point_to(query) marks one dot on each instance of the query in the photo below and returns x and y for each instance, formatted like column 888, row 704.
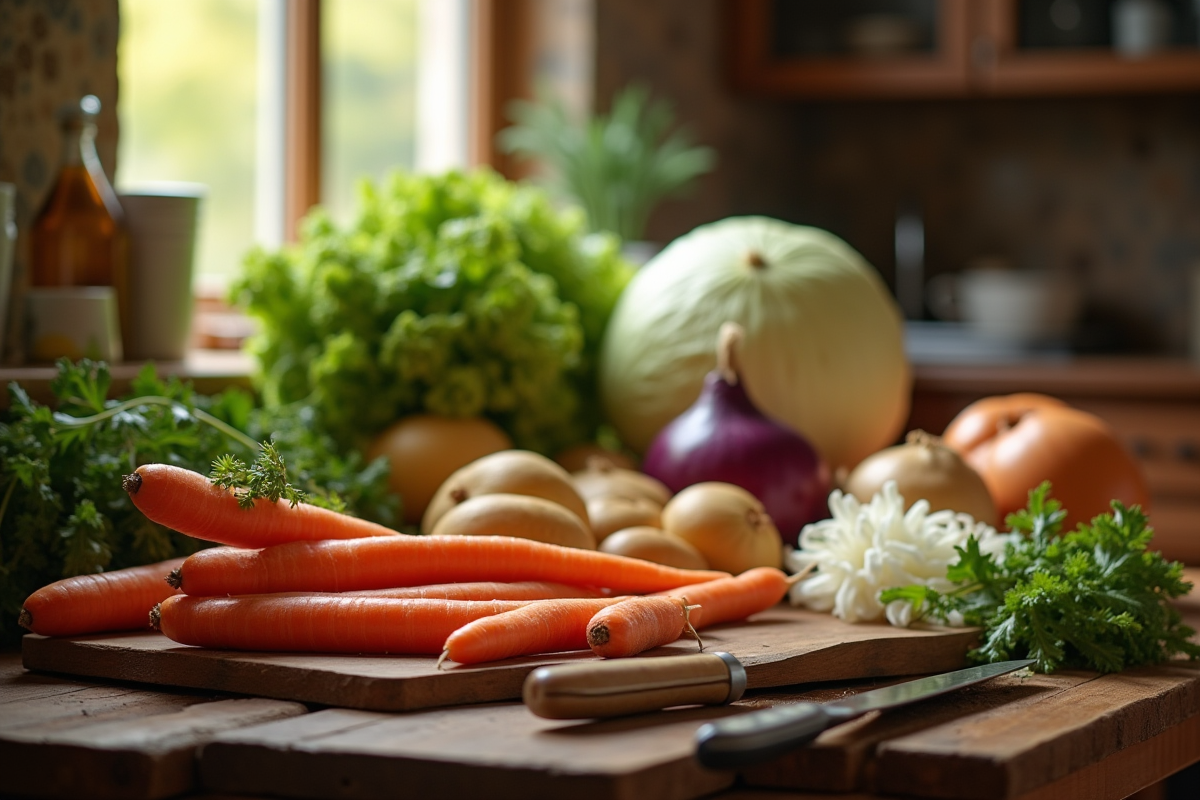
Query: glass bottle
column 79, row 237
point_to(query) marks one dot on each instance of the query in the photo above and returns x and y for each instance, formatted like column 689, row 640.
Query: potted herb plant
column 616, row 166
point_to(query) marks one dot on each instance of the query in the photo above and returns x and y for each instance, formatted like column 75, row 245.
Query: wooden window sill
column 210, row 371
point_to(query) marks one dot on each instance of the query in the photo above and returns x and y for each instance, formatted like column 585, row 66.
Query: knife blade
column 762, row 735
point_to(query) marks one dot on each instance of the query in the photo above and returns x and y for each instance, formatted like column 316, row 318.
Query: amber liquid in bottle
column 79, row 238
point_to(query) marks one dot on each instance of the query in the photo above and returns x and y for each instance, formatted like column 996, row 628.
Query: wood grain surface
column 1008, row 738
column 1018, row 736
column 1067, row 736
column 780, row 647
column 494, row 751
column 66, row 739
column 1072, row 735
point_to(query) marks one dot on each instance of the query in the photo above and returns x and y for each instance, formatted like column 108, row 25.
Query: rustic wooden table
column 1064, row 736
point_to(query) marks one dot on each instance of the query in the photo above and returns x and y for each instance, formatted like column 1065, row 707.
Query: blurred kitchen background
column 1050, row 136
column 1050, row 150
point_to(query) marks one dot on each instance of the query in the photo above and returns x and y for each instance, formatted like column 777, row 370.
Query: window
column 188, row 100
column 210, row 89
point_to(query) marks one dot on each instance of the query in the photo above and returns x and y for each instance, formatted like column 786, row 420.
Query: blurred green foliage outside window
column 369, row 50
column 189, row 95
column 187, row 103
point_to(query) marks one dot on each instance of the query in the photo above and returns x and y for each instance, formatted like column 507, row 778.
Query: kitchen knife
column 762, row 735
column 633, row 685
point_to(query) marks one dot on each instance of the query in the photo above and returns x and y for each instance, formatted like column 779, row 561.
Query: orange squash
column 1017, row 441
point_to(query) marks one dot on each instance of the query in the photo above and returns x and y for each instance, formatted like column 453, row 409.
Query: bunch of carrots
column 297, row 577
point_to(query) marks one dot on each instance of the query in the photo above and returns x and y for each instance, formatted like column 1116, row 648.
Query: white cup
column 161, row 219
column 8, row 237
column 1013, row 306
column 1140, row 27
column 72, row 322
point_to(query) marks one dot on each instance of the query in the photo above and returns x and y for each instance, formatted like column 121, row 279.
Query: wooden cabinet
column 946, row 48
column 1154, row 406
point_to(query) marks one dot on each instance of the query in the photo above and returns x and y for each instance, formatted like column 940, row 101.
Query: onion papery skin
column 823, row 351
column 724, row 438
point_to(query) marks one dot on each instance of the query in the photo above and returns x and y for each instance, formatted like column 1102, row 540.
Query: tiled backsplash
column 52, row 52
column 1105, row 188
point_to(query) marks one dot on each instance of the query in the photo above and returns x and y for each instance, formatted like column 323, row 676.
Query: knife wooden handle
column 633, row 685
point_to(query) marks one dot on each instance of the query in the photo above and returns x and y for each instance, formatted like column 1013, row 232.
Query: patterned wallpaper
column 52, row 52
column 1105, row 189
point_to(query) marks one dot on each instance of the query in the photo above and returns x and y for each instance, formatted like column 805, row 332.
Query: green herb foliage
column 617, row 166
column 459, row 295
column 62, row 509
column 265, row 479
column 1091, row 599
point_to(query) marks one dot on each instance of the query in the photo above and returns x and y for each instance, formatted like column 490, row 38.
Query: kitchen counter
column 1068, row 736
column 1084, row 376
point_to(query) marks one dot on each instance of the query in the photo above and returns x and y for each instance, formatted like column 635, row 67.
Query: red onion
column 723, row 437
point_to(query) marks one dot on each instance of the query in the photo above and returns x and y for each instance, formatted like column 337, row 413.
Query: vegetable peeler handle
column 633, row 685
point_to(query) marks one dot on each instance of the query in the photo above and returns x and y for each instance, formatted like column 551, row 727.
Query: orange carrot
column 734, row 598
column 319, row 624
column 389, row 561
column 638, row 624
column 543, row 626
column 108, row 601
column 527, row 590
column 188, row 502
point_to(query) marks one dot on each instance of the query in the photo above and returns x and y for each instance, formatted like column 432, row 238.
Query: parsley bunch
column 63, row 511
column 1091, row 599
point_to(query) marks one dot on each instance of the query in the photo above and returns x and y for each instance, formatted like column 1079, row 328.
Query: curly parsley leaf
column 1093, row 598
column 265, row 479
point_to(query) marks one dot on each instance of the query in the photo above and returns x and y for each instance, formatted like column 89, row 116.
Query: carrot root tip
column 792, row 580
column 156, row 617
column 25, row 619
column 442, row 658
column 175, row 578
column 687, row 620
column 131, row 483
column 598, row 635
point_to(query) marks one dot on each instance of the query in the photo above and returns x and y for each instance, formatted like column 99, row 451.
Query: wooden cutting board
column 780, row 647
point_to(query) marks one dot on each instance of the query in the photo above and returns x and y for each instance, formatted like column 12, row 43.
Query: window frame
column 502, row 52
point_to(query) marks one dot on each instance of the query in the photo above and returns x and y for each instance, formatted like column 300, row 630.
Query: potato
column 604, row 479
column 651, row 544
column 577, row 458
column 507, row 472
column 611, row 514
column 516, row 515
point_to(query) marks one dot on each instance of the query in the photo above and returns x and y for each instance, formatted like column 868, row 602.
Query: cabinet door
column 1070, row 47
column 849, row 48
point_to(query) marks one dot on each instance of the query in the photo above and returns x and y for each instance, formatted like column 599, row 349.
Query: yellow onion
column 727, row 524
column 924, row 469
